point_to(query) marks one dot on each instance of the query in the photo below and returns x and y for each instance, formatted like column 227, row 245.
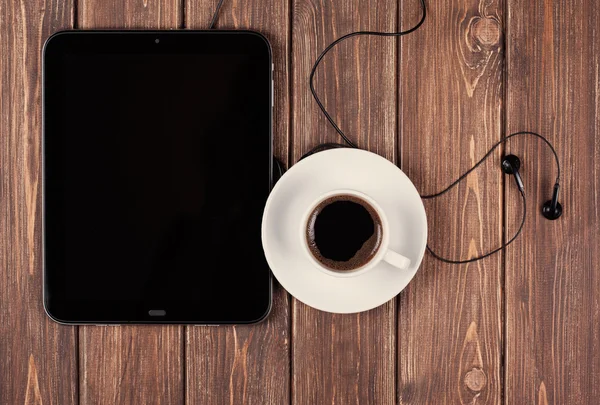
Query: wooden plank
column 246, row 364
column 129, row 14
column 131, row 364
column 449, row 317
column 344, row 359
column 33, row 348
column 243, row 364
column 552, row 278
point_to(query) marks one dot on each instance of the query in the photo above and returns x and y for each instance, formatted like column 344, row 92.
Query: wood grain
column 434, row 101
column 129, row 14
column 131, row 364
column 344, row 359
column 247, row 364
column 243, row 364
column 33, row 349
column 552, row 277
column 449, row 317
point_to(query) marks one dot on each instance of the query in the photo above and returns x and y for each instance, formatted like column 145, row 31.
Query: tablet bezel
column 145, row 42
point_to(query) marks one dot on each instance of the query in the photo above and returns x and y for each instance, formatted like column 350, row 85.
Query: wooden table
column 521, row 327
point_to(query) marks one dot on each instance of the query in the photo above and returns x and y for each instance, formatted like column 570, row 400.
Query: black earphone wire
column 215, row 15
column 475, row 166
column 331, row 46
column 491, row 252
column 488, row 154
column 349, row 143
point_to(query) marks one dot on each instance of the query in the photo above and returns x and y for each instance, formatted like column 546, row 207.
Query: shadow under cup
column 344, row 232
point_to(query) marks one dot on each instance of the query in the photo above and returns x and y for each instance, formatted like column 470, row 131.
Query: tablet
column 157, row 164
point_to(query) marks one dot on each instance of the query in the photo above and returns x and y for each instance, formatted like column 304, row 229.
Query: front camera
column 156, row 41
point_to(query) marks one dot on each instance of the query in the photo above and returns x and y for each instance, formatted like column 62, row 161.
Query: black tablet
column 157, row 165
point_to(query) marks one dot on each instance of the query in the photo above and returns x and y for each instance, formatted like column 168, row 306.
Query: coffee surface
column 344, row 232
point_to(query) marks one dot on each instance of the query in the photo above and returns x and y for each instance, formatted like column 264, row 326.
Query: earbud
column 511, row 165
column 552, row 209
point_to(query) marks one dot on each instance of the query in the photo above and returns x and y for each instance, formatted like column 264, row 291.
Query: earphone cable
column 349, row 143
column 215, row 15
column 337, row 41
column 462, row 177
column 489, row 153
column 501, row 247
column 465, row 174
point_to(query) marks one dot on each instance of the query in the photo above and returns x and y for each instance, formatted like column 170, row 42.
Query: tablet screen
column 157, row 168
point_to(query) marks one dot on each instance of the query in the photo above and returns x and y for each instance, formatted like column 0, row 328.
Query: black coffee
column 344, row 232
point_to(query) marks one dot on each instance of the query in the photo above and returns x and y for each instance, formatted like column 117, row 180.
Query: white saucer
column 330, row 170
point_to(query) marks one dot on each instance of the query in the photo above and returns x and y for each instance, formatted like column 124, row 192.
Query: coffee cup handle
column 396, row 260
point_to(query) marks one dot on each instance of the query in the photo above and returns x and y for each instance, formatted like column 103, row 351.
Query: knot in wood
column 475, row 380
column 486, row 31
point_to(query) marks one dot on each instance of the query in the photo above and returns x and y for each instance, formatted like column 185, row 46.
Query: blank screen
column 157, row 171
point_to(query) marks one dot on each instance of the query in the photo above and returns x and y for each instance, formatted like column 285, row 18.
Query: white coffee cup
column 384, row 253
